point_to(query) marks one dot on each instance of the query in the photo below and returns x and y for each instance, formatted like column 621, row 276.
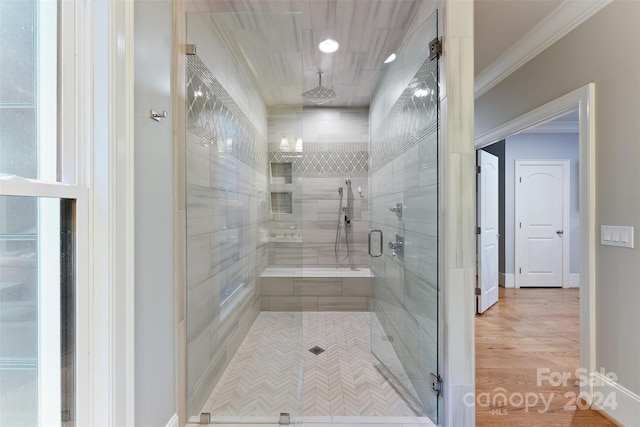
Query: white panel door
column 489, row 232
column 542, row 209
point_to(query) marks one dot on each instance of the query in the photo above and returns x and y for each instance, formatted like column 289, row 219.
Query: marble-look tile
column 245, row 179
column 421, row 256
column 198, row 160
column 395, row 277
column 275, row 347
column 317, row 286
column 406, row 171
column 218, row 167
column 420, row 210
column 342, row 303
column 382, row 181
column 356, row 286
column 237, row 209
column 248, row 240
column 225, row 249
column 199, row 259
column 203, row 305
column 198, row 358
column 422, row 303
column 276, row 286
column 285, row 254
column 232, row 176
column 296, row 303
column 428, row 156
column 206, row 210
column 222, row 328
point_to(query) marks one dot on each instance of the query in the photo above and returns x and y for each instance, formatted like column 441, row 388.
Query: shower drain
column 316, row 350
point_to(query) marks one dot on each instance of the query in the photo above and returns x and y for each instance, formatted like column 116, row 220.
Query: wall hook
column 158, row 116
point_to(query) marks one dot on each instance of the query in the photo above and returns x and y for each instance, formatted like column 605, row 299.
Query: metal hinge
column 520, row 270
column 285, row 419
column 478, row 230
column 436, row 383
column 190, row 49
column 478, row 168
column 478, row 292
column 520, row 179
column 435, row 48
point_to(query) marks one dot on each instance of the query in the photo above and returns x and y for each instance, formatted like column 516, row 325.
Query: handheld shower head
column 347, row 181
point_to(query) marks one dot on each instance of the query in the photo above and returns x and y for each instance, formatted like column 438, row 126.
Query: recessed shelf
column 281, row 173
column 281, row 203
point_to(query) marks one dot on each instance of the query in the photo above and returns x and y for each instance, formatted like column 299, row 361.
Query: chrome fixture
column 397, row 209
column 285, row 419
column 158, row 116
column 343, row 223
column 397, row 247
column 205, row 418
column 381, row 239
column 320, row 95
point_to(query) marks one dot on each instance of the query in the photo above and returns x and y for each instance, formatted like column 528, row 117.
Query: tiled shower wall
column 334, row 147
column 226, row 211
column 404, row 170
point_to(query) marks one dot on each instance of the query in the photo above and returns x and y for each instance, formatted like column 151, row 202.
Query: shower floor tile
column 273, row 371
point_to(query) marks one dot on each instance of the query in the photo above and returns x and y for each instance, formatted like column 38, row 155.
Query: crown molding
column 555, row 127
column 564, row 18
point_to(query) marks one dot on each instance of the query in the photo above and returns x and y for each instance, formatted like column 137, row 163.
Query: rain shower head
column 320, row 95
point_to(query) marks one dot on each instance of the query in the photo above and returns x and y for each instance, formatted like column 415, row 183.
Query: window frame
column 95, row 169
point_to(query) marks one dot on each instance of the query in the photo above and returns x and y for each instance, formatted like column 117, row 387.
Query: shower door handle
column 381, row 245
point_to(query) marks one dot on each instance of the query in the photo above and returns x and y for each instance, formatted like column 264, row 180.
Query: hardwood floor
column 528, row 330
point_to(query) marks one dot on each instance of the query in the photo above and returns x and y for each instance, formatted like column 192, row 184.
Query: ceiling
column 281, row 54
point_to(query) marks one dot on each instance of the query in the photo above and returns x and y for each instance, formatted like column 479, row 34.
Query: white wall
column 155, row 388
column 602, row 50
column 532, row 146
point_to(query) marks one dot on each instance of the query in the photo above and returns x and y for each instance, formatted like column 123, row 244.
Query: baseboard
column 507, row 280
column 574, row 281
column 174, row 421
column 623, row 405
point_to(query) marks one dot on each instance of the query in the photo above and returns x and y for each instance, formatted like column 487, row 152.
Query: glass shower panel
column 404, row 205
column 243, row 216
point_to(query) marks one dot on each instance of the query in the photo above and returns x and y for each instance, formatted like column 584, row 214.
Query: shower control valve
column 397, row 247
column 397, row 209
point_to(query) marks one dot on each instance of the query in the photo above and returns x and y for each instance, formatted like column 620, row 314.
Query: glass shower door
column 244, row 359
column 403, row 173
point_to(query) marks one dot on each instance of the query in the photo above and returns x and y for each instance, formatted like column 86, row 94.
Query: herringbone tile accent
column 274, row 372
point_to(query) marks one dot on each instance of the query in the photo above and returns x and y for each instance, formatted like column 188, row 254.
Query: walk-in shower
column 271, row 274
column 341, row 246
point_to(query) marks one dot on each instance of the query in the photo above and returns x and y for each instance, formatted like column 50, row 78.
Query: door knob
column 560, row 232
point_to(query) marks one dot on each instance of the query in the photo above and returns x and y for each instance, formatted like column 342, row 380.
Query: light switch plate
column 612, row 235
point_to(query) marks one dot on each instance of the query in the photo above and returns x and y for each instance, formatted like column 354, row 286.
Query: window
column 38, row 216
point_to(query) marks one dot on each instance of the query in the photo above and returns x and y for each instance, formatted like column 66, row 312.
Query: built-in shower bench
column 316, row 289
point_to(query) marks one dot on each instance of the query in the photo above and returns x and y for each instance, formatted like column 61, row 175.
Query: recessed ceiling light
column 391, row 58
column 328, row 46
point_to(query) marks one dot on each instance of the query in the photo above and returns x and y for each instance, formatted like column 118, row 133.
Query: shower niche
column 280, row 180
column 281, row 173
column 284, row 225
column 281, row 203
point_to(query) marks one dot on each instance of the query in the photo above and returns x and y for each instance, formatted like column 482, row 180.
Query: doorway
column 580, row 101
